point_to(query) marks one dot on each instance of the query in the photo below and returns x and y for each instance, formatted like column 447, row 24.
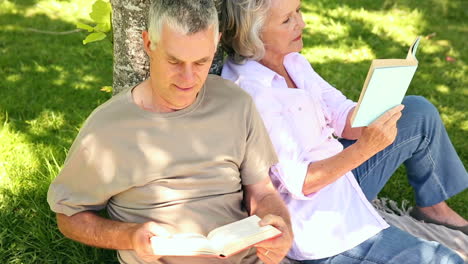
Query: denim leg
column 434, row 169
column 393, row 246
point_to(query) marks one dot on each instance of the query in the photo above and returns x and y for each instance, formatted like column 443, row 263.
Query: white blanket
column 399, row 217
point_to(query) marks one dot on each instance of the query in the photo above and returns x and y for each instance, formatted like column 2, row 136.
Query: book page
column 182, row 245
column 413, row 49
column 241, row 234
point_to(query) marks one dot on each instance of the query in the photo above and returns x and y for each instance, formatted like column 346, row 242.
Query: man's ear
column 219, row 37
column 146, row 42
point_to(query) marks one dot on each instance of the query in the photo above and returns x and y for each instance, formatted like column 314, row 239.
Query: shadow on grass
column 49, row 85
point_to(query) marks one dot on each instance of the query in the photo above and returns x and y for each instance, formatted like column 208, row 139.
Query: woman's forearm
column 373, row 138
column 324, row 172
column 349, row 132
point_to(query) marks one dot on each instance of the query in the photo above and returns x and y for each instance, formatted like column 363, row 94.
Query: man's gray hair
column 241, row 23
column 184, row 16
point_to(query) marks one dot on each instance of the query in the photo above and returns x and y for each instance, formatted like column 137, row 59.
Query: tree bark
column 131, row 64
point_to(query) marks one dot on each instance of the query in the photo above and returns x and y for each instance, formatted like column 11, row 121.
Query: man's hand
column 382, row 132
column 141, row 243
column 272, row 251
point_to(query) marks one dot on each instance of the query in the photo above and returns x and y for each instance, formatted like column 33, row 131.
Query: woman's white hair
column 185, row 16
column 241, row 23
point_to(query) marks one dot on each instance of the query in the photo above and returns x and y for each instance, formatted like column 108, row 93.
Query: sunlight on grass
column 399, row 25
column 453, row 117
column 321, row 54
column 70, row 11
column 443, row 88
column 46, row 121
column 13, row 77
column 40, row 68
column 17, row 158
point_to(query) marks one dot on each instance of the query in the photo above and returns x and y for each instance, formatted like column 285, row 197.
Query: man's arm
column 263, row 200
column 89, row 228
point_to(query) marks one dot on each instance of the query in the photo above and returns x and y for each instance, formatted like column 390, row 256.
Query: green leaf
column 84, row 26
column 102, row 27
column 101, row 12
column 94, row 37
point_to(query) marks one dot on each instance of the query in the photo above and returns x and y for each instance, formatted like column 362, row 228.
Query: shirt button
column 329, row 137
column 300, row 108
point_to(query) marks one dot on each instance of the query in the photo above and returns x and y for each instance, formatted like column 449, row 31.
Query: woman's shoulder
column 299, row 61
column 251, row 76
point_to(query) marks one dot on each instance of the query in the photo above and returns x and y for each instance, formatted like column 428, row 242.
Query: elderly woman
column 328, row 182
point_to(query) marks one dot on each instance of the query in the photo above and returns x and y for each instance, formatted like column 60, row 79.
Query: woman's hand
column 381, row 133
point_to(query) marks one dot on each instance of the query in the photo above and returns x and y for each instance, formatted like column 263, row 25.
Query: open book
column 385, row 86
column 221, row 242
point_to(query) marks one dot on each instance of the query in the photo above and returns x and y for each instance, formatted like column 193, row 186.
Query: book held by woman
column 385, row 86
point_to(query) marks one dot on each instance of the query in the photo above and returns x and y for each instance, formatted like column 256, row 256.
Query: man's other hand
column 141, row 243
column 272, row 251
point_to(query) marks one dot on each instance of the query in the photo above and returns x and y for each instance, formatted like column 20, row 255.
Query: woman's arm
column 351, row 132
column 373, row 139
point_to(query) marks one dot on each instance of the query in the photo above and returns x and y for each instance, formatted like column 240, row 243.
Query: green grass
column 50, row 83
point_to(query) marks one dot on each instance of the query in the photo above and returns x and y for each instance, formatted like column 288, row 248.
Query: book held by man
column 221, row 242
column 386, row 84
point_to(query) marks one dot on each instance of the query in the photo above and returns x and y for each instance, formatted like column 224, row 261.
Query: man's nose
column 188, row 74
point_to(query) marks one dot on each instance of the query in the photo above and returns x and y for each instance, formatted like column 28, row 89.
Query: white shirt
column 301, row 123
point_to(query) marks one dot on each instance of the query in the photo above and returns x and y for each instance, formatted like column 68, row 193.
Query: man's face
column 179, row 66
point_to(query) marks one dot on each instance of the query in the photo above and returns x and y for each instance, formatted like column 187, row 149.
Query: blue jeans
column 433, row 167
column 434, row 170
column 393, row 246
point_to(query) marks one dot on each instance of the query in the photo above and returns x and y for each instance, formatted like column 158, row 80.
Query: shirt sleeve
column 259, row 152
column 337, row 105
column 289, row 173
column 84, row 183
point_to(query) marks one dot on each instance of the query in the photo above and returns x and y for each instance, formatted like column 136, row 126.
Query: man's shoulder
column 114, row 109
column 226, row 88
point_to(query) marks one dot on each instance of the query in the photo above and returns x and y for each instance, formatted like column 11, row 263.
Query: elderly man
column 182, row 152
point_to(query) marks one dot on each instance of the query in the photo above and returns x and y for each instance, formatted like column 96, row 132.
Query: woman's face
column 282, row 32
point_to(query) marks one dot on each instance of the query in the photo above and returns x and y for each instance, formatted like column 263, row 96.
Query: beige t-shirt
column 183, row 170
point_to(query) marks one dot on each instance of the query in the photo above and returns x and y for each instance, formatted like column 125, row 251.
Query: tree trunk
column 131, row 65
